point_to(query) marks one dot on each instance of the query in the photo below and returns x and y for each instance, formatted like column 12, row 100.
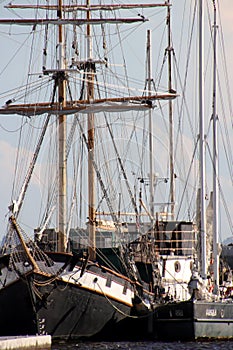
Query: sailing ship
column 46, row 287
column 209, row 312
column 117, row 270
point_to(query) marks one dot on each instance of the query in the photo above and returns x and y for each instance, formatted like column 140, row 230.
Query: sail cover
column 117, row 105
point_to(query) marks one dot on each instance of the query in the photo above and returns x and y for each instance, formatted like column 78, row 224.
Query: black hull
column 75, row 313
column 193, row 320
column 34, row 304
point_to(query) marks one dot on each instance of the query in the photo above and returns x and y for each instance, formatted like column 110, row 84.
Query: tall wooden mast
column 62, row 209
column 151, row 145
column 91, row 135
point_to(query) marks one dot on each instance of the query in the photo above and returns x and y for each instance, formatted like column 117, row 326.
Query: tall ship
column 107, row 236
column 72, row 110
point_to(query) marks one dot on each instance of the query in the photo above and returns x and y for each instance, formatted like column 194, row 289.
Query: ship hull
column 193, row 320
column 77, row 305
column 74, row 311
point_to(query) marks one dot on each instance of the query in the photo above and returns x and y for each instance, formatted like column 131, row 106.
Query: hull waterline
column 193, row 320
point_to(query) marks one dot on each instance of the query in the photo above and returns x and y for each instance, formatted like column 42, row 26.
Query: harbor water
column 204, row 345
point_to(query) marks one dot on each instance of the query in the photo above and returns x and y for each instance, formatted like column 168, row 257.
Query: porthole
column 177, row 266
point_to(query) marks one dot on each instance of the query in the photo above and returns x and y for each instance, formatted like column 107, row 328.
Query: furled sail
column 82, row 106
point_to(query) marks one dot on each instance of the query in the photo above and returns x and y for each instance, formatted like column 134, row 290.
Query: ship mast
column 215, row 162
column 62, row 137
column 151, row 146
column 202, row 146
column 171, row 147
column 91, row 136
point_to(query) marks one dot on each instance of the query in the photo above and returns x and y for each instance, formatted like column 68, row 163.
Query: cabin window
column 177, row 266
column 109, row 281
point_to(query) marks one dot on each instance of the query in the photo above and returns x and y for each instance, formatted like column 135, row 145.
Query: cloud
column 7, row 158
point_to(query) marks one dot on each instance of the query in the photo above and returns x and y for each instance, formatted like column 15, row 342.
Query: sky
column 9, row 125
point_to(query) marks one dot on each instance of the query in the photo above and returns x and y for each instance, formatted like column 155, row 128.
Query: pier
column 26, row 342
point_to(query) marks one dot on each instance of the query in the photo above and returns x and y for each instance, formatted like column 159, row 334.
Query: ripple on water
column 211, row 345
